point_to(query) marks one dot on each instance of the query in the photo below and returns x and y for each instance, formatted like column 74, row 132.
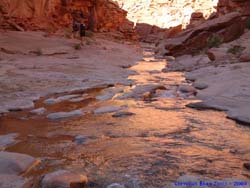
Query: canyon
column 155, row 95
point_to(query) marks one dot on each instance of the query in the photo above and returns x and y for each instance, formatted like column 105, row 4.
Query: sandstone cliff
column 53, row 14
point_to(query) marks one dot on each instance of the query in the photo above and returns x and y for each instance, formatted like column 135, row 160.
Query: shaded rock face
column 226, row 6
column 53, row 14
column 223, row 29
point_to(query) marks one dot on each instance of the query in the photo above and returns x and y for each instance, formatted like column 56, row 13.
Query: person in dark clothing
column 75, row 27
column 82, row 31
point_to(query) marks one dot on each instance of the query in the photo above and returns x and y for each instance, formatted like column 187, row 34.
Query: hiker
column 82, row 31
column 75, row 27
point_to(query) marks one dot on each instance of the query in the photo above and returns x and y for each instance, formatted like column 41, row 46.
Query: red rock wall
column 104, row 15
column 226, row 6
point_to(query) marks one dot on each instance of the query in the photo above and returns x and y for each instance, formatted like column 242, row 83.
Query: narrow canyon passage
column 141, row 135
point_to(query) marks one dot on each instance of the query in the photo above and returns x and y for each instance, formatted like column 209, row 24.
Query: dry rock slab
column 12, row 181
column 63, row 179
column 16, row 163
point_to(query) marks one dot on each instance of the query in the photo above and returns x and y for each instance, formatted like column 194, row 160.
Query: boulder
column 217, row 54
column 227, row 27
column 63, row 179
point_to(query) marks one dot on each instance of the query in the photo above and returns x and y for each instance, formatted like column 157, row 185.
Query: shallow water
column 161, row 142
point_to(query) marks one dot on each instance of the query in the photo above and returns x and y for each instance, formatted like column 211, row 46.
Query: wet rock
column 61, row 115
column 115, row 185
column 7, row 140
column 246, row 166
column 187, row 89
column 38, row 111
column 63, row 179
column 16, row 163
column 107, row 109
column 82, row 139
column 12, row 181
column 122, row 114
column 200, row 85
column 139, row 91
column 59, row 99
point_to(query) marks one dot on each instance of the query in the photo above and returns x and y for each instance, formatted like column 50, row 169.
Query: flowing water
column 162, row 141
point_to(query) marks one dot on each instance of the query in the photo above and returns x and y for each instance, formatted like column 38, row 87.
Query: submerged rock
column 82, row 139
column 16, row 163
column 63, row 179
column 7, row 140
column 61, row 115
column 139, row 91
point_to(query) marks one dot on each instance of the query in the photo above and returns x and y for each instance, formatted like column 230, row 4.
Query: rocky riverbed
column 107, row 115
